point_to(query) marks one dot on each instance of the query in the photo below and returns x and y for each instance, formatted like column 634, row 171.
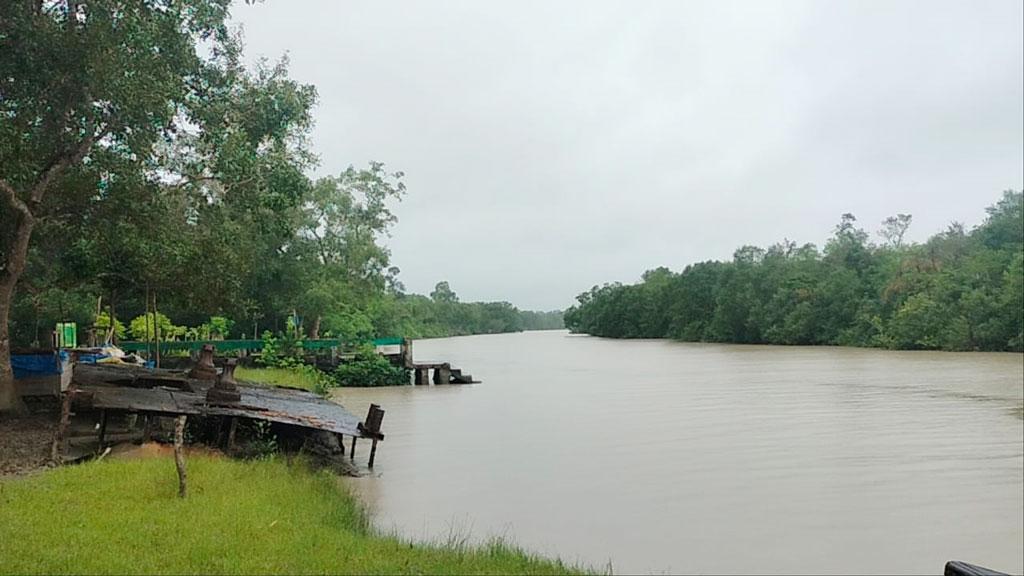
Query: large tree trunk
column 17, row 255
column 314, row 332
column 9, row 400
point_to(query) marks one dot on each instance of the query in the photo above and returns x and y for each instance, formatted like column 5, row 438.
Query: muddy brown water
column 656, row 456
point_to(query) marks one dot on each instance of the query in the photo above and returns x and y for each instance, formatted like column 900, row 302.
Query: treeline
column 960, row 290
column 443, row 314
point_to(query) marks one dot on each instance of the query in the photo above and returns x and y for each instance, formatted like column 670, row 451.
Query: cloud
column 552, row 146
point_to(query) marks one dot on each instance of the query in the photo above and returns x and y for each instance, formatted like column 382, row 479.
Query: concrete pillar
column 406, row 353
column 422, row 377
column 443, row 375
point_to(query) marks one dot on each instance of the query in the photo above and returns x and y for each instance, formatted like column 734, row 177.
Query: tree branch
column 13, row 201
column 17, row 252
column 57, row 168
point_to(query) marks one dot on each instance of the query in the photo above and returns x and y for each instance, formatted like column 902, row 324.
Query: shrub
column 370, row 369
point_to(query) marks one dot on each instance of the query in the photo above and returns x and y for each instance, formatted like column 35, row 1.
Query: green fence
column 233, row 345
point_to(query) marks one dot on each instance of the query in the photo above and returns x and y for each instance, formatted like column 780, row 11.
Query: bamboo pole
column 149, row 349
column 156, row 329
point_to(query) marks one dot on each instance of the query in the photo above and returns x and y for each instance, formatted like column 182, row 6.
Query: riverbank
column 240, row 517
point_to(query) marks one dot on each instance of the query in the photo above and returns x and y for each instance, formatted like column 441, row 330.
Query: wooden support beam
column 147, row 426
column 60, row 438
column 373, row 452
column 352, row 456
column 103, row 428
column 222, row 424
column 231, row 433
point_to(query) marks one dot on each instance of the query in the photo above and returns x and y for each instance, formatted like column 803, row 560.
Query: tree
column 443, row 293
column 894, row 228
column 80, row 81
column 343, row 219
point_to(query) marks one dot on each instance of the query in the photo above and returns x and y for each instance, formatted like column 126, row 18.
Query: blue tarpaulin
column 34, row 365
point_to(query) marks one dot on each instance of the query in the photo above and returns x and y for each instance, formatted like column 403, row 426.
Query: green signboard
column 66, row 335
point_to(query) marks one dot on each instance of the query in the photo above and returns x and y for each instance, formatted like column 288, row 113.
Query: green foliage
column 102, row 325
column 139, row 329
column 957, row 291
column 348, row 324
column 443, row 294
column 218, row 328
column 124, row 517
column 368, row 368
column 263, row 442
column 272, row 354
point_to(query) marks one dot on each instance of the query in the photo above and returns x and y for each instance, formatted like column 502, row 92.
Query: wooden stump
column 59, row 447
column 179, row 456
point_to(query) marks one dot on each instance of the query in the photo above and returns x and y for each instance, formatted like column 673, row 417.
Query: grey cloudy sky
column 551, row 146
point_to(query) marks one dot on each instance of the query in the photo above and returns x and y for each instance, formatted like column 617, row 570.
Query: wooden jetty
column 166, row 393
column 443, row 373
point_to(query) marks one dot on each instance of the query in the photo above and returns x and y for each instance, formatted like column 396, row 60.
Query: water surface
column 657, row 456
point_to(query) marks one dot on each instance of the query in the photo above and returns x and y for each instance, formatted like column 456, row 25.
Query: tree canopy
column 957, row 291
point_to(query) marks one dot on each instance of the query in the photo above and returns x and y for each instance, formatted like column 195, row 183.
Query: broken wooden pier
column 154, row 393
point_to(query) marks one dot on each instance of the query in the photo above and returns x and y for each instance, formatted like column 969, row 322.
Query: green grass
column 278, row 377
column 267, row 517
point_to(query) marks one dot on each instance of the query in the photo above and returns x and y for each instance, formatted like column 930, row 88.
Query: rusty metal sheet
column 290, row 407
column 136, row 399
column 294, row 407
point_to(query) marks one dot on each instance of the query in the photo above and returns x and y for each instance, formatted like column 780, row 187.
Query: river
column 657, row 456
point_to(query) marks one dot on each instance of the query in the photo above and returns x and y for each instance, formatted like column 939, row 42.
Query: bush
column 281, row 351
column 370, row 369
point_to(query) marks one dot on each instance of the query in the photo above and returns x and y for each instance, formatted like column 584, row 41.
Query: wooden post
column 373, row 452
column 156, row 330
column 147, row 427
column 112, row 334
column 103, row 427
column 149, row 344
column 59, row 447
column 352, row 456
column 231, row 433
column 221, row 432
column 179, row 457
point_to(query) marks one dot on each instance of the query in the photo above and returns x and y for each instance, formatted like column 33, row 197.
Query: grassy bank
column 123, row 516
column 290, row 377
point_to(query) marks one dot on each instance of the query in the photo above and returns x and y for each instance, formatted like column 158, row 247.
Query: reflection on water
column 668, row 457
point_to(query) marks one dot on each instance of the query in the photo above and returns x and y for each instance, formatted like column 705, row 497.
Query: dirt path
column 25, row 444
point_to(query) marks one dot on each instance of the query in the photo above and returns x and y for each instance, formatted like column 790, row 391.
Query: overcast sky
column 551, row 146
